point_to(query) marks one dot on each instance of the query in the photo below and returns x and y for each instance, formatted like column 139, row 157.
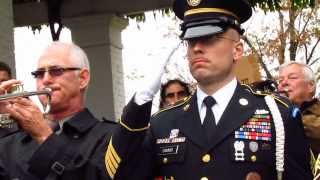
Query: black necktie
column 209, row 123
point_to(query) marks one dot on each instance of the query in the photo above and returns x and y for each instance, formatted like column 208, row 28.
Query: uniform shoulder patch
column 280, row 99
column 176, row 105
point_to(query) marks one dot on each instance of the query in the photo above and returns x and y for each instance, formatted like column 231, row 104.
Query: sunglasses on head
column 53, row 71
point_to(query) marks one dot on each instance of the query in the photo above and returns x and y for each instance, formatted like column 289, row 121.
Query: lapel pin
column 243, row 101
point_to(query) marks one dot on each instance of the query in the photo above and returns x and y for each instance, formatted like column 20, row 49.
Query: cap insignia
column 194, row 3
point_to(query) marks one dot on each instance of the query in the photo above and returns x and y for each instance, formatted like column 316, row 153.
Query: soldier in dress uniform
column 224, row 130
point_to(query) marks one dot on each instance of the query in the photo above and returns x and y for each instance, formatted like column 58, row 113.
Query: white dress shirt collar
column 222, row 97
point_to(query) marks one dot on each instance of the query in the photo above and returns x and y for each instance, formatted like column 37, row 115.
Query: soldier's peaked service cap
column 208, row 17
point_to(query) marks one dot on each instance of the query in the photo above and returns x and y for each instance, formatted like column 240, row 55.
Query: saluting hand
column 30, row 118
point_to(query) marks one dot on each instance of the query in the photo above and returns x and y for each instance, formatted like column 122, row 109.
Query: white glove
column 152, row 82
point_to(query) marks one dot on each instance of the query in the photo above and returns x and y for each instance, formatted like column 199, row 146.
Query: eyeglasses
column 53, row 71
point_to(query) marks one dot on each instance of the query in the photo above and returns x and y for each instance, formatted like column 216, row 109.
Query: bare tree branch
column 312, row 51
column 263, row 65
column 314, row 61
column 305, row 52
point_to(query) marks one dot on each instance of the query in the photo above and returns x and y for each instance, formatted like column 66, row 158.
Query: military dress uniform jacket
column 175, row 147
column 76, row 153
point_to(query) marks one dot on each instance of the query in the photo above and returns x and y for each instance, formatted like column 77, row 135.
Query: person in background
column 68, row 142
column 173, row 91
column 225, row 130
column 5, row 75
column 5, row 72
column 297, row 81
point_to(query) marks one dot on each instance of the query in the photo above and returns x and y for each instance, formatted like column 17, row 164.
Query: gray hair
column 307, row 71
column 77, row 55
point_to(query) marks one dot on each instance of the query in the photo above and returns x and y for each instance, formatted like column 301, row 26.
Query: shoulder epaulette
column 261, row 93
column 177, row 104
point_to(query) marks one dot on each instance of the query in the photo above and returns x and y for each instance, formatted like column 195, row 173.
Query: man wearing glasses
column 225, row 130
column 65, row 143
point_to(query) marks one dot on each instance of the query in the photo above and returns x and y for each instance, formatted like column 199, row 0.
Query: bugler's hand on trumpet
column 16, row 107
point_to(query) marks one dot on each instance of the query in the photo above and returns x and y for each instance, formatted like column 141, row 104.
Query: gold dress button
column 165, row 160
column 206, row 158
column 253, row 158
column 204, row 178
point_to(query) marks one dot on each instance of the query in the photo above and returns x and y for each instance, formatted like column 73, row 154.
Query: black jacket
column 76, row 153
column 187, row 155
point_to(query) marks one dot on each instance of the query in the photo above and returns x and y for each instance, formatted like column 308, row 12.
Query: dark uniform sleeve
column 126, row 153
column 297, row 152
column 3, row 173
column 58, row 159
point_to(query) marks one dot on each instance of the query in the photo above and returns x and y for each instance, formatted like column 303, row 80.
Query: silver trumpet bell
column 17, row 91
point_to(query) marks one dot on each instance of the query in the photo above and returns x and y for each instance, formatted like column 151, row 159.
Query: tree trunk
column 293, row 33
column 282, row 37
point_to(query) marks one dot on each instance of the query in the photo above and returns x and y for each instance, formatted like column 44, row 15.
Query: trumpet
column 17, row 91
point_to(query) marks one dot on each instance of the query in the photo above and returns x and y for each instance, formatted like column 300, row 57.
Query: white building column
column 6, row 34
column 100, row 37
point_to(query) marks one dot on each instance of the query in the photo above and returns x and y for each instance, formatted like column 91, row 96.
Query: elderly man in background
column 297, row 81
column 64, row 144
